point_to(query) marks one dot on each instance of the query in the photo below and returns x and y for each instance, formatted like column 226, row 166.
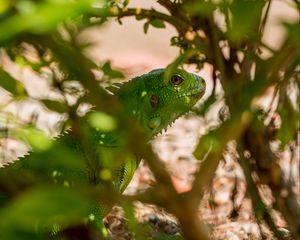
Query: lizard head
column 158, row 100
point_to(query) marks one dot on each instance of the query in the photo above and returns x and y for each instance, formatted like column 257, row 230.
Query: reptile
column 155, row 100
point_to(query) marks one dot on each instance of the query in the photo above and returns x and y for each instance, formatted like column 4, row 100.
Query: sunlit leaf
column 102, row 121
column 4, row 6
column 43, row 17
column 35, row 138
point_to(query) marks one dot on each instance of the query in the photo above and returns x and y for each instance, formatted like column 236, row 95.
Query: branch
column 181, row 26
column 170, row 6
column 264, row 20
column 216, row 141
column 184, row 208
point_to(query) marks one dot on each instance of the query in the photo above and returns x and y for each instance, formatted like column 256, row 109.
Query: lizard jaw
column 197, row 95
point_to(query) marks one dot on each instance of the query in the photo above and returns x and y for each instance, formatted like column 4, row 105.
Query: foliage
column 33, row 205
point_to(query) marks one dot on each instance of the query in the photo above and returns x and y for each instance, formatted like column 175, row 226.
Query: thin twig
column 260, row 209
column 264, row 20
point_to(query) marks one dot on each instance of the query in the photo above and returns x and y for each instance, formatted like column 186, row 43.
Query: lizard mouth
column 199, row 89
column 197, row 95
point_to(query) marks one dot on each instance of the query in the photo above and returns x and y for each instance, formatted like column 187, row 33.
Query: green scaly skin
column 158, row 101
column 154, row 99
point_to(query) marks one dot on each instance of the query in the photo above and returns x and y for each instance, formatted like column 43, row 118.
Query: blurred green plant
column 233, row 46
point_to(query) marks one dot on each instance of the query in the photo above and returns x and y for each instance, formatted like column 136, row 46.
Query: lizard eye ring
column 176, row 80
column 154, row 101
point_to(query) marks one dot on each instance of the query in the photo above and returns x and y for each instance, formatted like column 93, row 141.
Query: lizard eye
column 176, row 80
column 154, row 101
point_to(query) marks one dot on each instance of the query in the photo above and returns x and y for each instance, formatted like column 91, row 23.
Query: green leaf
column 201, row 8
column 55, row 106
column 245, row 18
column 181, row 59
column 293, row 34
column 157, row 23
column 36, row 209
column 35, row 138
column 146, row 27
column 43, row 17
column 102, row 121
column 111, row 73
column 206, row 105
column 10, row 84
column 4, row 6
column 290, row 122
column 139, row 17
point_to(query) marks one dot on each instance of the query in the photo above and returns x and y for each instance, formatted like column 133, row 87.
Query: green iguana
column 154, row 99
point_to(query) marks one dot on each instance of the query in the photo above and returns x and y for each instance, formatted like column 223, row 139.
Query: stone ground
column 225, row 207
